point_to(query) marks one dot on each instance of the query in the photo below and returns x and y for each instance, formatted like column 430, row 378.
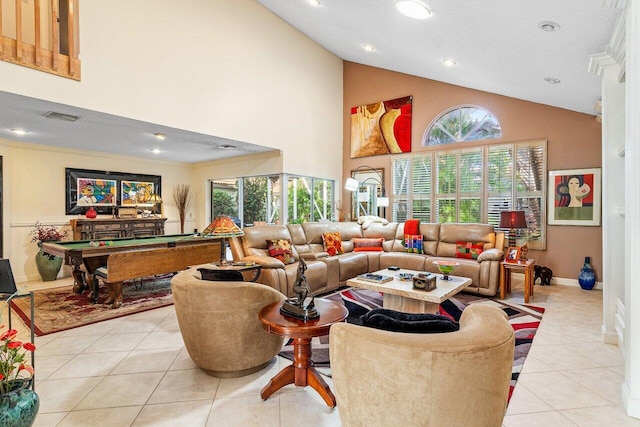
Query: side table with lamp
column 515, row 220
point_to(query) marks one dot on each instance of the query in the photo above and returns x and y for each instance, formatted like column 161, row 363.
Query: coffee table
column 301, row 372
column 399, row 294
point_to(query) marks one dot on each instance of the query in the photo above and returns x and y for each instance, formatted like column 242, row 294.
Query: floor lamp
column 352, row 184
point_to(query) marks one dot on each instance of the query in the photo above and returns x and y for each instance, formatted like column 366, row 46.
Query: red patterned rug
column 60, row 309
column 525, row 320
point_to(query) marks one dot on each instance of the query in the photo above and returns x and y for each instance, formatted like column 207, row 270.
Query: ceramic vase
column 19, row 408
column 91, row 213
column 587, row 277
column 48, row 266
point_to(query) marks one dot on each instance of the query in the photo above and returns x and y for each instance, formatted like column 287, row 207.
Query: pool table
column 94, row 254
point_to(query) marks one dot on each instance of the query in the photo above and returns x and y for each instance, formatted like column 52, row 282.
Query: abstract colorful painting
column 574, row 197
column 137, row 193
column 96, row 192
column 381, row 128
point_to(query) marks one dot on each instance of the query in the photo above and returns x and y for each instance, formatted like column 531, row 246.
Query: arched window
column 462, row 123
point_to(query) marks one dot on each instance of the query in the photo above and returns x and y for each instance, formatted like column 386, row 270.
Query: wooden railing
column 48, row 42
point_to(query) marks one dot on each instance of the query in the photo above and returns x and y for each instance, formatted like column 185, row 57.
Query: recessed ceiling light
column 449, row 62
column 413, row 9
column 314, row 2
column 548, row 26
column 156, row 150
column 227, row 146
column 19, row 131
column 160, row 136
column 368, row 47
column 552, row 80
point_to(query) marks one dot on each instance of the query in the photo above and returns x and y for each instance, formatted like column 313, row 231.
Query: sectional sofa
column 328, row 272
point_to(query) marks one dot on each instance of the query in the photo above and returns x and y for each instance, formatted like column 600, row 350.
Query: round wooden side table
column 301, row 372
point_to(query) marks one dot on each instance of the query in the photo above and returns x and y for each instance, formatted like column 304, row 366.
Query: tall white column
column 631, row 386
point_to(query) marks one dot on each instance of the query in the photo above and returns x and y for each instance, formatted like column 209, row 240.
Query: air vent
column 60, row 116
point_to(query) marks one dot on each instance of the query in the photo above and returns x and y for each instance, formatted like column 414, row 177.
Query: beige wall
column 225, row 68
column 574, row 141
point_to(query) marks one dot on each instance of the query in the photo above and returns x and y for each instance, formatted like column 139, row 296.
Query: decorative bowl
column 446, row 268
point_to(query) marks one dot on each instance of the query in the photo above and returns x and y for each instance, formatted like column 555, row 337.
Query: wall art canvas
column 103, row 190
column 381, row 128
column 574, row 197
column 96, row 192
column 137, row 193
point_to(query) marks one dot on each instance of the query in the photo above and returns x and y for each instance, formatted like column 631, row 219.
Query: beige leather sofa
column 325, row 273
column 220, row 326
column 460, row 378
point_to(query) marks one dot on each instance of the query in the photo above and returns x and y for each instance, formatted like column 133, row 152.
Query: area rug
column 524, row 319
column 60, row 309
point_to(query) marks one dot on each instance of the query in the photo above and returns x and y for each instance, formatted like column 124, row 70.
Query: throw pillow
column 413, row 243
column 367, row 244
column 412, row 323
column 469, row 250
column 280, row 249
column 412, row 226
column 332, row 243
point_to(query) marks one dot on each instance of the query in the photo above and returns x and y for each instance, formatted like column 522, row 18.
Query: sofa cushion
column 332, row 243
column 413, row 323
column 469, row 250
column 367, row 244
column 413, row 243
column 281, row 250
column 412, row 226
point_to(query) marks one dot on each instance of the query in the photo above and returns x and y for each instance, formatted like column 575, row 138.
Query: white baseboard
column 557, row 281
column 631, row 405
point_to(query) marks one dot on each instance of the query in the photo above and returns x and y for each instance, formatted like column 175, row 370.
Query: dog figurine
column 544, row 273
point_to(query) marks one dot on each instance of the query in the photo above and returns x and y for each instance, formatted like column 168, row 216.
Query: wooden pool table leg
column 115, row 294
column 79, row 280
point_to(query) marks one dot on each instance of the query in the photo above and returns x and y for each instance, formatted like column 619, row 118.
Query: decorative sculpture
column 296, row 306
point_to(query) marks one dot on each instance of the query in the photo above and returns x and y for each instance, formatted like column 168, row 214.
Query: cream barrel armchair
column 220, row 326
column 461, row 378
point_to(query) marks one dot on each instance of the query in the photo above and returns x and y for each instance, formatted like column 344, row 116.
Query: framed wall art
column 381, row 128
column 574, row 197
column 104, row 190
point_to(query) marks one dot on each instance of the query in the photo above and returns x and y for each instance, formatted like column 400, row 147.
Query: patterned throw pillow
column 332, row 243
column 367, row 244
column 469, row 250
column 413, row 243
column 281, row 249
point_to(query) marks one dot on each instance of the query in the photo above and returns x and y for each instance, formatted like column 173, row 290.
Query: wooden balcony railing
column 41, row 34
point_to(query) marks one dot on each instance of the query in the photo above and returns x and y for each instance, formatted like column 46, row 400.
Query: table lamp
column 512, row 220
column 157, row 202
column 223, row 227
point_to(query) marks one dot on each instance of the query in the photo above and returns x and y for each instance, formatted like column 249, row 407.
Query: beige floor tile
column 161, row 339
column 183, row 361
column 599, row 353
column 90, row 365
column 107, row 417
column 249, row 385
column 542, row 419
column 46, row 365
column 170, row 323
column 116, row 342
column 316, row 412
column 602, row 381
column 246, row 411
column 524, row 401
column 180, row 386
column 560, row 391
column 99, row 328
column 560, row 357
column 49, row 420
column 122, row 390
column 146, row 361
column 532, row 364
column 601, row 416
column 191, row 414
column 64, row 395
column 65, row 345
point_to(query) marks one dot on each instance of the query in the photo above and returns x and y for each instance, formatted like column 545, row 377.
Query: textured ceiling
column 496, row 44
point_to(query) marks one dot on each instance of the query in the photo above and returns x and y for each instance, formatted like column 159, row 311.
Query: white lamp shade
column 351, row 184
column 383, row 202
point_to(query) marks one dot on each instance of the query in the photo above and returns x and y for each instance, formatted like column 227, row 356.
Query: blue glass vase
column 587, row 277
column 19, row 407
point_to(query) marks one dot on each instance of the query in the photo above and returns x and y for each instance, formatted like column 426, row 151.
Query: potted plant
column 48, row 265
column 19, row 404
column 183, row 196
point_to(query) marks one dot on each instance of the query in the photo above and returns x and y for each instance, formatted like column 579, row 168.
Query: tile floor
column 134, row 371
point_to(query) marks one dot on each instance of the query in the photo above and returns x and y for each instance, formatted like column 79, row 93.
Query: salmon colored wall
column 573, row 141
